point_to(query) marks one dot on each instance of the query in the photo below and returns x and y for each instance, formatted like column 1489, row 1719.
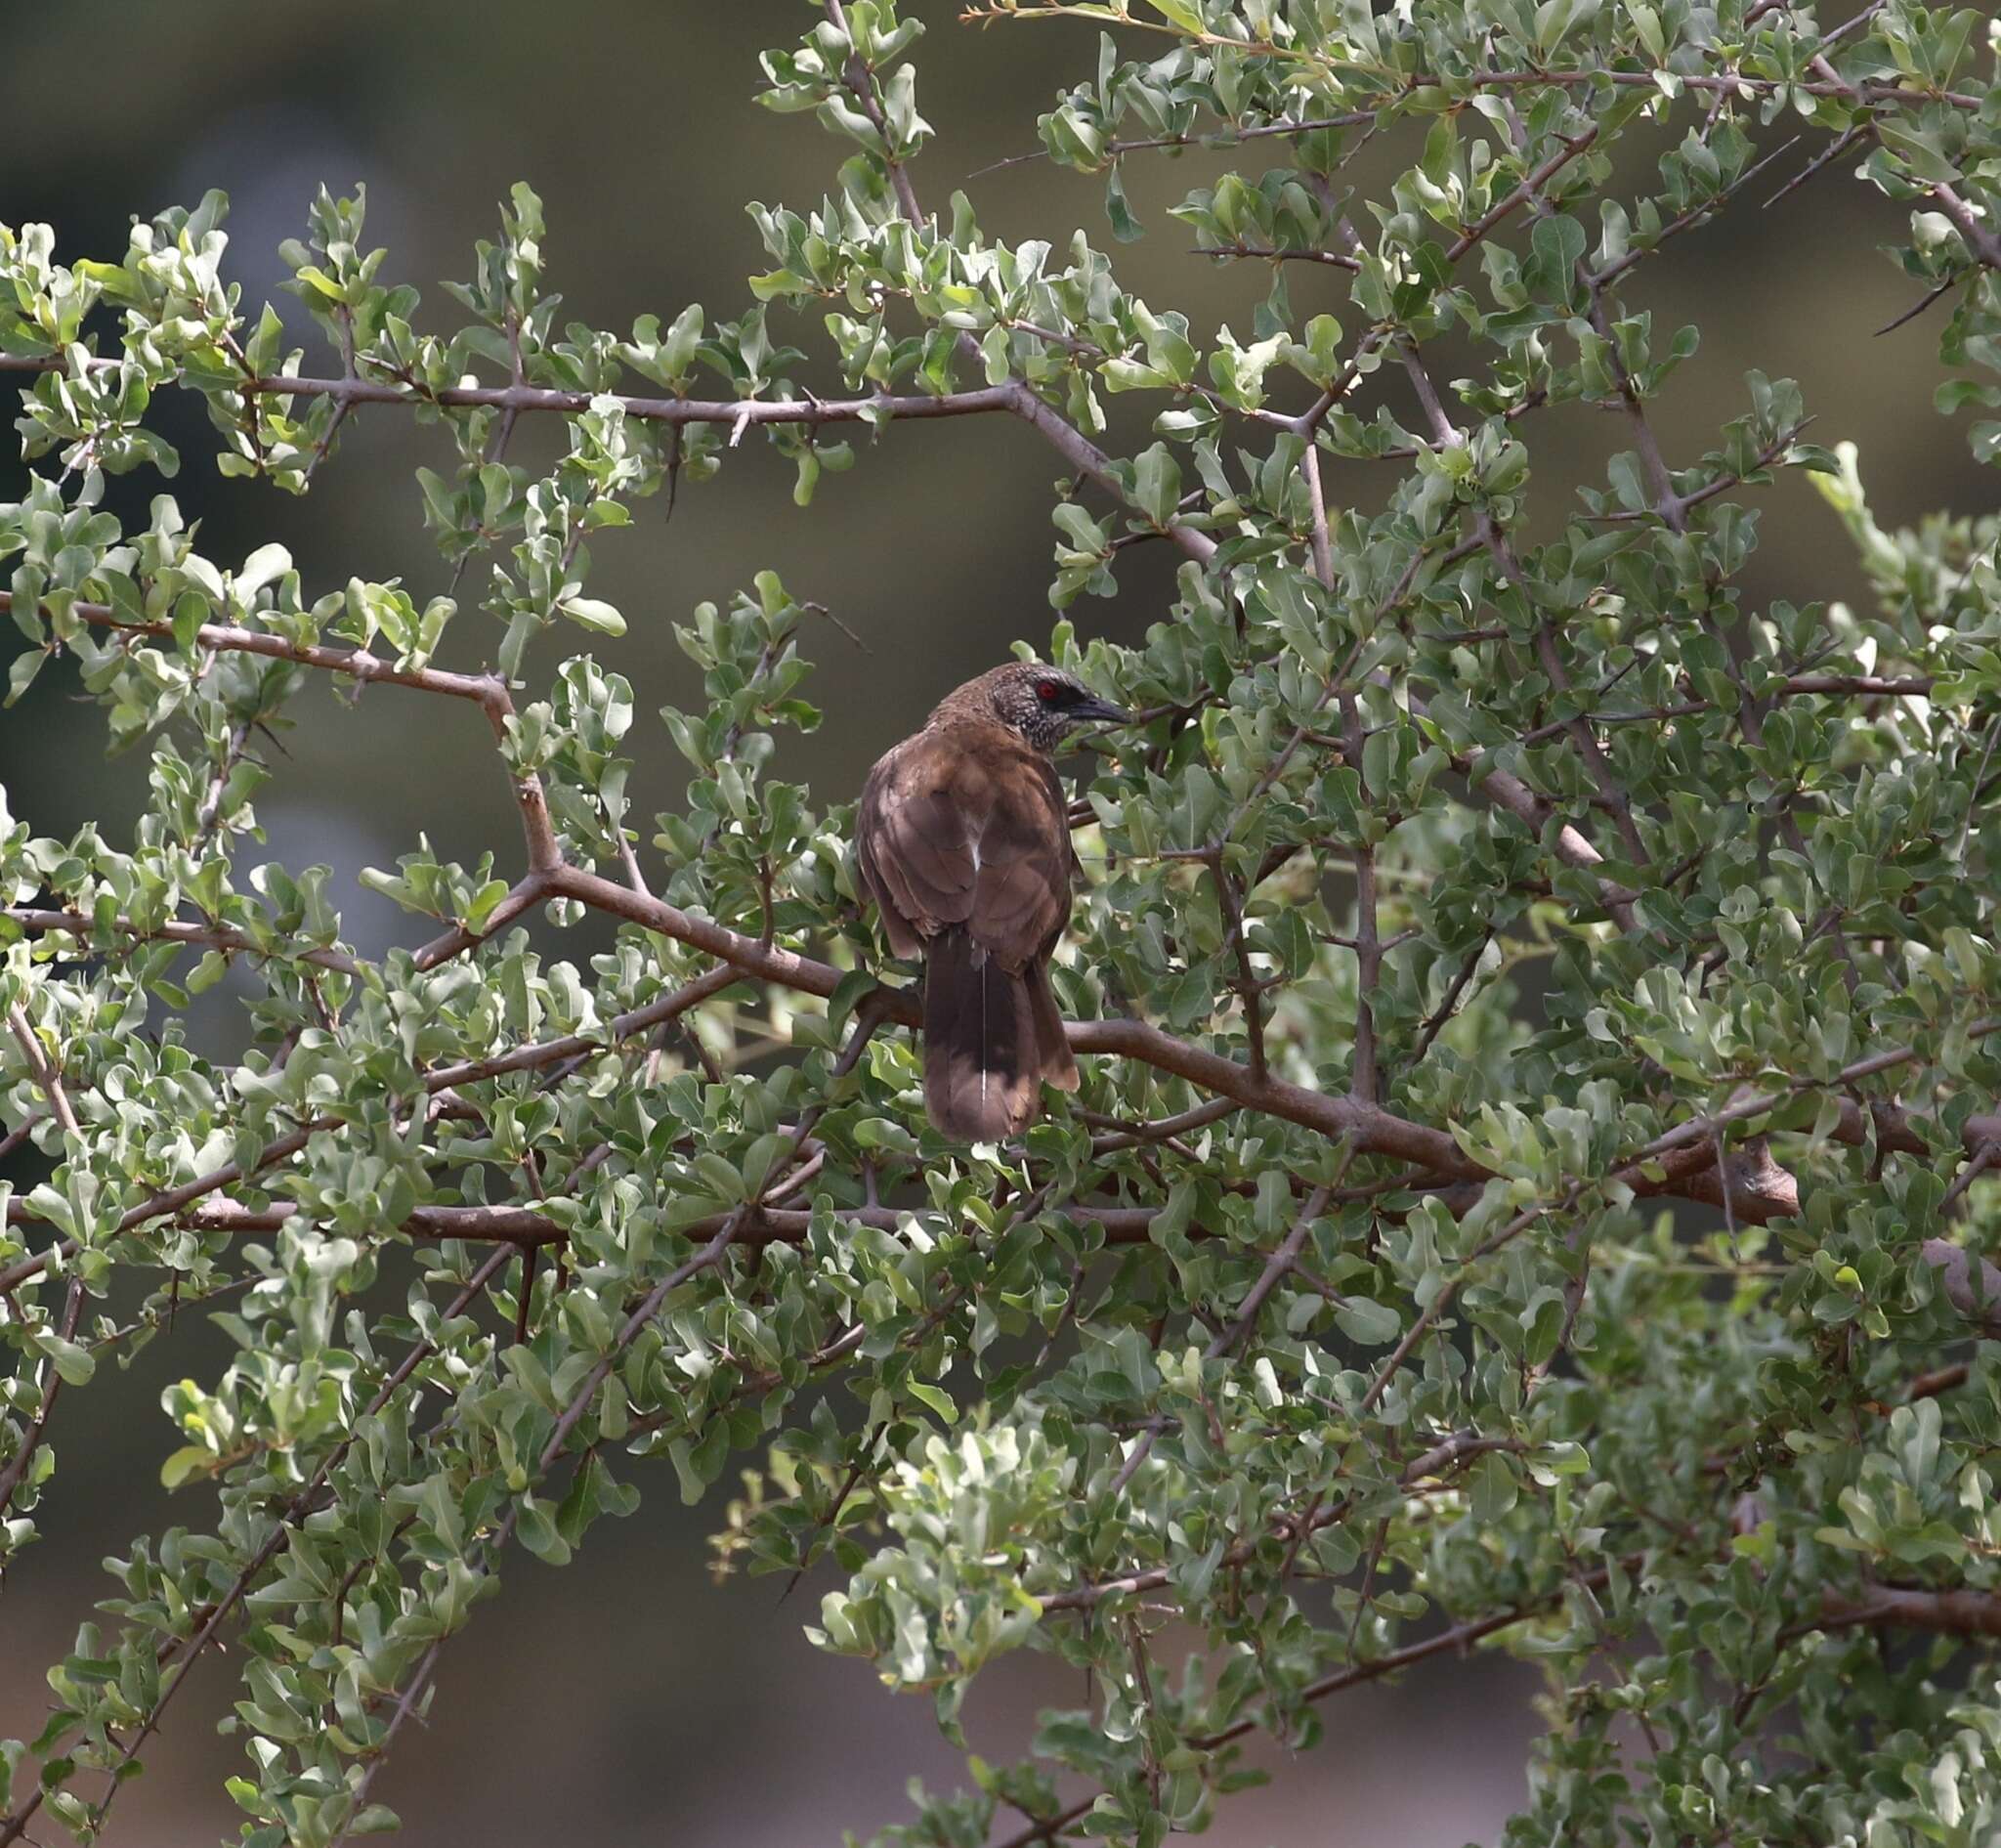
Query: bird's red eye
column 1046, row 691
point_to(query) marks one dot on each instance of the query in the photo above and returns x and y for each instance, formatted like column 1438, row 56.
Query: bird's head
column 1045, row 704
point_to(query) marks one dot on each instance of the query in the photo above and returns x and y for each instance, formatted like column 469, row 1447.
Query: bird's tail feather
column 990, row 1037
column 1052, row 1044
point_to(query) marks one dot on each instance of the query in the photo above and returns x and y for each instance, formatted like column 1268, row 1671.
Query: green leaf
column 590, row 614
column 75, row 1365
column 1157, row 484
column 1493, row 1488
column 938, row 1400
column 537, row 1528
column 1372, row 1324
column 191, row 1459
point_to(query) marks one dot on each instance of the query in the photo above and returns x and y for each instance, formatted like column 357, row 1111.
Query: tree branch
column 41, row 1069
column 42, row 922
column 514, row 399
column 487, row 691
column 1981, row 242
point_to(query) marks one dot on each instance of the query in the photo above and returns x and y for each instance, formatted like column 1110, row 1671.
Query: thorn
column 821, row 610
column 528, row 1290
column 1911, row 313
column 1820, row 160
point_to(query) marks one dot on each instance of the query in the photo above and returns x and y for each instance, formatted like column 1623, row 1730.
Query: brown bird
column 965, row 844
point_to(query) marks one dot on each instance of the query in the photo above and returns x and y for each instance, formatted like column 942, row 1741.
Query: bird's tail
column 991, row 1039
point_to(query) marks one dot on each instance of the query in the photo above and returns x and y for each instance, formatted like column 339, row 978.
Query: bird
column 963, row 839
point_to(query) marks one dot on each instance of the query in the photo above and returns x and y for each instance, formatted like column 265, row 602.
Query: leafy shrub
column 1372, row 1298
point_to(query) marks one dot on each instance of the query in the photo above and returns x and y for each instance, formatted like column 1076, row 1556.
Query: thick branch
column 487, row 691
column 1910, row 1608
column 740, row 414
column 38, row 922
column 1682, row 1159
column 1980, row 240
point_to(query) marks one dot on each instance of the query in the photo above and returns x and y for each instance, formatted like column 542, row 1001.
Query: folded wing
column 950, row 835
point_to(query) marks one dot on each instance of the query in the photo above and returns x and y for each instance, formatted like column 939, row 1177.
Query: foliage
column 1527, row 1179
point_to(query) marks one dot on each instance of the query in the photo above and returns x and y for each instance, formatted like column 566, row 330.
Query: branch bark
column 738, row 414
column 488, row 692
column 1681, row 1162
column 42, row 1069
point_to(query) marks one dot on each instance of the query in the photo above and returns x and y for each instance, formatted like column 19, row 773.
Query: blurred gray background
column 626, row 1697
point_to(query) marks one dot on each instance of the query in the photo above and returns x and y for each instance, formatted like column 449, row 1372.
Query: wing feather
column 966, row 826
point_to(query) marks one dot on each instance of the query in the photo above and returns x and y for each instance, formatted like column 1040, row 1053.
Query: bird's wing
column 1021, row 901
column 913, row 848
column 967, row 830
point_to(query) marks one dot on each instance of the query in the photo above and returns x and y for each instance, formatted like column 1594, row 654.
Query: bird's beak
column 1097, row 709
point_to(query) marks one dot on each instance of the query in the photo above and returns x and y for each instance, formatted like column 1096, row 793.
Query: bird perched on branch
column 965, row 843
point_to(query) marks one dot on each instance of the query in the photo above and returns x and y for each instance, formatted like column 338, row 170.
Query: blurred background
column 626, row 1697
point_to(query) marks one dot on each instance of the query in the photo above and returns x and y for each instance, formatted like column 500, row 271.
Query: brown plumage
column 964, row 845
